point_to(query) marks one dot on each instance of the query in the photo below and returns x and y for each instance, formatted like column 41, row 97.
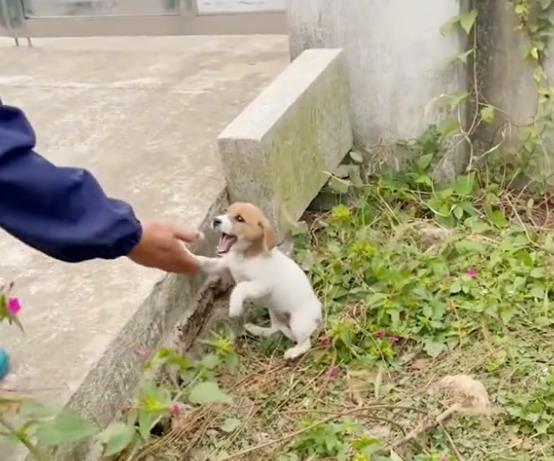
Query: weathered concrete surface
column 143, row 115
column 506, row 80
column 396, row 58
column 276, row 152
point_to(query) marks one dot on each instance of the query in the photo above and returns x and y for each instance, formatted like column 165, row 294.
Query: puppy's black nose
column 216, row 222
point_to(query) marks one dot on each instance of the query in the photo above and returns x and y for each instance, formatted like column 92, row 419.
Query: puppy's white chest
column 243, row 270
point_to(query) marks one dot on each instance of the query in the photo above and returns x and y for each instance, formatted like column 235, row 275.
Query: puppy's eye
column 239, row 218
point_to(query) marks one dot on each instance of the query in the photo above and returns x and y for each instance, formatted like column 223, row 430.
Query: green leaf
column 424, row 161
column 339, row 186
column 230, row 425
column 477, row 226
column 433, row 348
column 31, row 409
column 467, row 20
column 356, row 156
column 449, row 25
column 117, row 436
column 464, row 184
column 423, row 179
column 487, row 114
column 462, row 57
column 549, row 243
column 497, row 218
column 537, row 292
column 63, row 429
column 507, row 313
column 469, row 246
column 355, row 176
column 146, row 421
column 208, row 392
column 520, row 9
column 453, row 100
column 449, row 127
column 211, row 361
column 458, row 212
column 456, row 287
column 538, row 273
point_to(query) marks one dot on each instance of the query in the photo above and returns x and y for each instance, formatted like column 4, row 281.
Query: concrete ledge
column 110, row 385
column 276, row 152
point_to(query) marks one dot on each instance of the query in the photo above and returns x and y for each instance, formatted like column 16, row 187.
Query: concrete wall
column 506, row 81
column 396, row 58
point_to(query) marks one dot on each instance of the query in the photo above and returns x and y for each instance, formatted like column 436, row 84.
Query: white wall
column 396, row 58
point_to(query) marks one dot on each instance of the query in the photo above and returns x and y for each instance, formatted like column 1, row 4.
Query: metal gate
column 63, row 18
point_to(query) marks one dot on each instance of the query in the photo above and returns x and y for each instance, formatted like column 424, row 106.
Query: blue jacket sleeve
column 62, row 212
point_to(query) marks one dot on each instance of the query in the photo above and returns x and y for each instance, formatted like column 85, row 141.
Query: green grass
column 418, row 282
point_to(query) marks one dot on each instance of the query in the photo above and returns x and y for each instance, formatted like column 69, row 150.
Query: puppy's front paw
column 235, row 310
column 208, row 265
column 203, row 260
column 292, row 353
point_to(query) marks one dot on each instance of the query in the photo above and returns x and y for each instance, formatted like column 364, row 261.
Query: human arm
column 64, row 213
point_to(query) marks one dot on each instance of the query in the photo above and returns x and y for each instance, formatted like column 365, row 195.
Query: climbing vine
column 535, row 21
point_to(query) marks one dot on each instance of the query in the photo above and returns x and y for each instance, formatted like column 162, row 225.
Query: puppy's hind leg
column 262, row 332
column 301, row 329
column 265, row 332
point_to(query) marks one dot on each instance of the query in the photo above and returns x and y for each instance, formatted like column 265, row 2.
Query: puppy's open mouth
column 226, row 242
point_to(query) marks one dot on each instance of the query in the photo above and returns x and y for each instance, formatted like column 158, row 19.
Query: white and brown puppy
column 264, row 274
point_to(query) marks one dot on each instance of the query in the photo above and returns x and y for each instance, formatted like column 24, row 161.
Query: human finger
column 187, row 235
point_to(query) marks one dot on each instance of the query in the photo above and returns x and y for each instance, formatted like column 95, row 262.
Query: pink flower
column 325, row 342
column 14, row 306
column 333, row 372
column 380, row 333
column 472, row 273
column 174, row 409
column 142, row 352
column 394, row 339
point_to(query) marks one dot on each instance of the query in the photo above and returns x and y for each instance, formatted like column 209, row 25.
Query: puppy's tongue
column 225, row 243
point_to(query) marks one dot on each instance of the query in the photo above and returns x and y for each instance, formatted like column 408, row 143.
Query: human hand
column 161, row 246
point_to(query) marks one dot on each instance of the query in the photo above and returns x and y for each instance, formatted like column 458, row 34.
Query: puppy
column 263, row 273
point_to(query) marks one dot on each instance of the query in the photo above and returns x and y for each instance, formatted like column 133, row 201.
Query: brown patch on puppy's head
column 244, row 229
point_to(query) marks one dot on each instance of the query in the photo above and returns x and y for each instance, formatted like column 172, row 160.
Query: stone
column 277, row 151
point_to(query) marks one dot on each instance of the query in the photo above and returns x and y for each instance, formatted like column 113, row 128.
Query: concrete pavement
column 142, row 114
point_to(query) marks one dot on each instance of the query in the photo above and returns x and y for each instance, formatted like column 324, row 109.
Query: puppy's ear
column 268, row 235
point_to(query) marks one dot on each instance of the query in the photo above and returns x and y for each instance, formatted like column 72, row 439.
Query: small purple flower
column 380, row 333
column 14, row 306
column 142, row 352
column 325, row 342
column 472, row 273
column 174, row 409
column 333, row 372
